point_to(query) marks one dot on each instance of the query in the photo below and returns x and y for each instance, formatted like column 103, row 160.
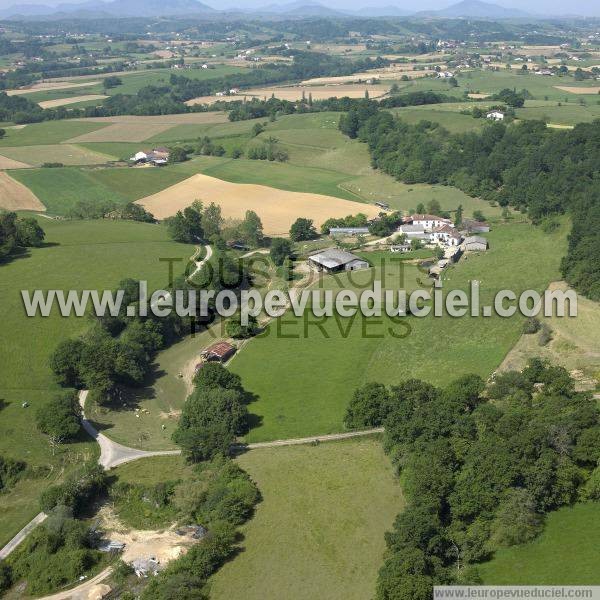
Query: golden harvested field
column 479, row 96
column 10, row 163
column 177, row 119
column 213, row 99
column 380, row 74
column 15, row 196
column 293, row 93
column 578, row 89
column 71, row 100
column 278, row 209
column 49, row 85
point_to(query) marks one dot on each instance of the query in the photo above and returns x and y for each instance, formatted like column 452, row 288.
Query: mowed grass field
column 566, row 552
column 304, row 370
column 319, row 530
column 77, row 255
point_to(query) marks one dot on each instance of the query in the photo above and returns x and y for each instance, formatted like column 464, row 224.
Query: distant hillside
column 478, row 10
column 300, row 8
column 114, row 8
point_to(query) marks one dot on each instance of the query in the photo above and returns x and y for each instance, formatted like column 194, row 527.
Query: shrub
column 531, row 325
column 545, row 335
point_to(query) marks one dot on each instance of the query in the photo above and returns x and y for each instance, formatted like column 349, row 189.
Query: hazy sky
column 539, row 7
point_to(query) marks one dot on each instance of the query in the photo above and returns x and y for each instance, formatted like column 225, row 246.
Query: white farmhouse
column 446, row 234
column 495, row 115
column 429, row 222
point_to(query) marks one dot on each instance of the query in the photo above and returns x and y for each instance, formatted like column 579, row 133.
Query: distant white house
column 495, row 115
column 445, row 75
column 205, row 66
column 396, row 248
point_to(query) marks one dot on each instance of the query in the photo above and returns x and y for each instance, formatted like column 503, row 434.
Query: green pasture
column 47, row 132
column 77, row 255
column 319, row 530
column 299, row 361
column 566, row 552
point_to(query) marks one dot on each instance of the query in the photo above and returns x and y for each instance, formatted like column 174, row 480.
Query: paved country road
column 40, row 518
column 113, row 454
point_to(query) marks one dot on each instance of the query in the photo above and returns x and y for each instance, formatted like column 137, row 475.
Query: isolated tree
column 59, row 417
column 251, row 229
column 434, row 207
column 209, row 423
column 280, row 250
column 303, row 229
column 177, row 154
column 29, row 232
column 458, row 217
column 215, row 375
column 212, row 220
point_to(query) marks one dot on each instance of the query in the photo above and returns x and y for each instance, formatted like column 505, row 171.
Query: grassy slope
column 80, row 255
column 566, row 553
column 318, row 532
column 48, row 132
column 292, row 377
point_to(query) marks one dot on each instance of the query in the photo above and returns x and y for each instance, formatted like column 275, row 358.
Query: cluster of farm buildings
column 430, row 230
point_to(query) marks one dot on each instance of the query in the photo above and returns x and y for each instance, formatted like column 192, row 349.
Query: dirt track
column 15, row 196
column 278, row 209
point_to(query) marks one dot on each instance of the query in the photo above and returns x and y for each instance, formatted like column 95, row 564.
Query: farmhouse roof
column 475, row 239
column 428, row 218
column 412, row 228
column 333, row 257
column 447, row 229
column 219, row 350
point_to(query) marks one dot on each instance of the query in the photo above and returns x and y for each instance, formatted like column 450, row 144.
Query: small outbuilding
column 220, row 352
column 349, row 231
column 475, row 243
column 334, row 260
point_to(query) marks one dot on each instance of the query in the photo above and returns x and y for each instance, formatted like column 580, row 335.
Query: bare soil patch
column 71, row 100
column 15, row 196
column 572, row 89
column 278, row 209
column 9, row 163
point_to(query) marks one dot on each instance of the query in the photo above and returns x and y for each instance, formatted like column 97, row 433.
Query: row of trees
column 527, row 165
column 478, row 475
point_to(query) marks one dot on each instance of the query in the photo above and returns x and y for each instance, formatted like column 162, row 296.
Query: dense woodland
column 480, row 468
column 537, row 170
